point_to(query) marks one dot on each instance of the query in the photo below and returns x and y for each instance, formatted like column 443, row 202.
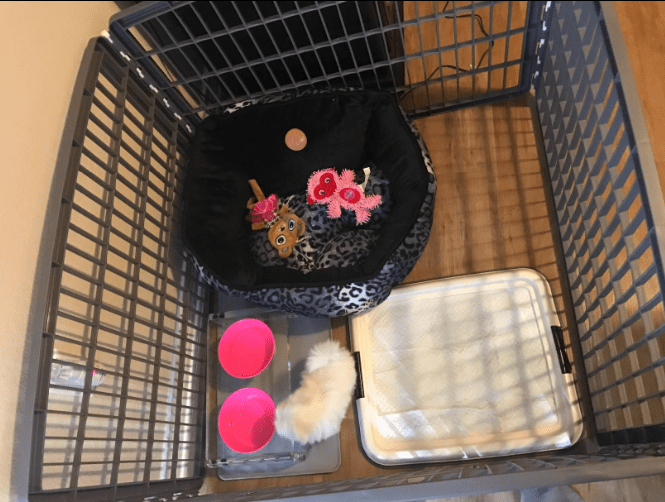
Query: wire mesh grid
column 124, row 334
column 434, row 55
column 434, row 474
column 614, row 267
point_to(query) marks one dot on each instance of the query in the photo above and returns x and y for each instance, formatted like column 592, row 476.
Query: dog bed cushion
column 345, row 130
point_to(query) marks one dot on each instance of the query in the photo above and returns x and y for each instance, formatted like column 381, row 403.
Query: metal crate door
column 436, row 56
column 119, row 411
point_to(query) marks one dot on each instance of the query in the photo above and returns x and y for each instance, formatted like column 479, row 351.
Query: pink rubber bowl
column 246, row 348
column 247, row 420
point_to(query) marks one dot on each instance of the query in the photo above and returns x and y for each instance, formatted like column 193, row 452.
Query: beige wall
column 42, row 45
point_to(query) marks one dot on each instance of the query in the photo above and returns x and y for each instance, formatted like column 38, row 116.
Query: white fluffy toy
column 314, row 412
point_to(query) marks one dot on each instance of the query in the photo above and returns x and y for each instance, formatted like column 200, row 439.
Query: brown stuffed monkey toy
column 284, row 227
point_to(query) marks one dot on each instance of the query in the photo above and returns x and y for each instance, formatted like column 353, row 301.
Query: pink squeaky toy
column 265, row 210
column 327, row 187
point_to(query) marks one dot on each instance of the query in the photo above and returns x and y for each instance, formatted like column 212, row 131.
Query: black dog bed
column 342, row 267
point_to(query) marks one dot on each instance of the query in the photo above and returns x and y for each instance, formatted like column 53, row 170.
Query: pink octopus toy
column 327, row 187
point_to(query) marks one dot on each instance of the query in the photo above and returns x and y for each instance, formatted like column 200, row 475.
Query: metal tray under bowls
column 294, row 336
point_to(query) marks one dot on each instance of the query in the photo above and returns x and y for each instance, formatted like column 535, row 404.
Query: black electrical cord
column 453, row 67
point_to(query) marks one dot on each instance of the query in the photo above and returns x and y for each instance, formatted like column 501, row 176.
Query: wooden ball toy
column 295, row 139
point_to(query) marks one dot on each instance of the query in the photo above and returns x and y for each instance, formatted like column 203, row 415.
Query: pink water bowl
column 246, row 348
column 247, row 420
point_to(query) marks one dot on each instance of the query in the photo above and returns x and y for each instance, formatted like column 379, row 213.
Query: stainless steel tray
column 464, row 367
column 294, row 336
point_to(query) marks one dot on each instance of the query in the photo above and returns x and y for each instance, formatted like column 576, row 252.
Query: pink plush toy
column 327, row 187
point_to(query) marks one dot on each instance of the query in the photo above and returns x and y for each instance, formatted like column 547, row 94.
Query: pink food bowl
column 247, row 420
column 246, row 348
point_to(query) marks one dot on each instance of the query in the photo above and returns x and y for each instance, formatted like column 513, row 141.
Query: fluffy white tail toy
column 314, row 412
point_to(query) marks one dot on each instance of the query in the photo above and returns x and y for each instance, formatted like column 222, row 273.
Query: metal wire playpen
column 120, row 407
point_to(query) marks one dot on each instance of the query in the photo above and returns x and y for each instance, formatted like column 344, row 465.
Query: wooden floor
column 490, row 214
column 490, row 210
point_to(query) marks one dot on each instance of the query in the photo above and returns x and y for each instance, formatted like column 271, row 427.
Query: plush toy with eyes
column 285, row 228
column 340, row 191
